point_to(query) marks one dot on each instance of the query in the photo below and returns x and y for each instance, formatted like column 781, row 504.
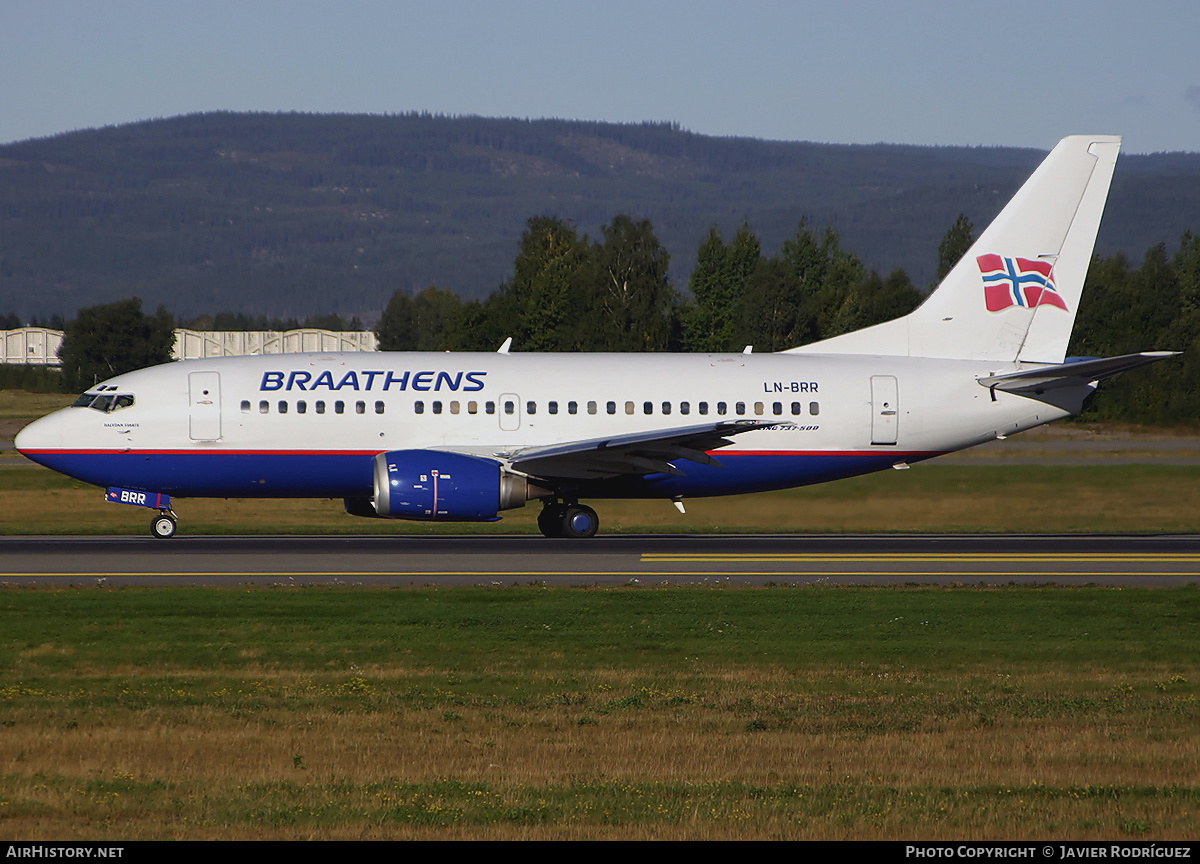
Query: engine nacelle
column 452, row 487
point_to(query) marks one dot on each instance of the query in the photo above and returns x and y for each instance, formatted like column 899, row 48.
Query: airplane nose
column 44, row 434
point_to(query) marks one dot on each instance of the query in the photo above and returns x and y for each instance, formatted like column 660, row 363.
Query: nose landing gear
column 164, row 525
column 568, row 519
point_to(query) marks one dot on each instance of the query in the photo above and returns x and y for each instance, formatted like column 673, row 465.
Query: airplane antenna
column 504, row 348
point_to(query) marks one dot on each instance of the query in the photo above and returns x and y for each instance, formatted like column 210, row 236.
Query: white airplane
column 463, row 436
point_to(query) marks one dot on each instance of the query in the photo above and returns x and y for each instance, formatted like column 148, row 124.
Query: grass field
column 525, row 712
column 637, row 713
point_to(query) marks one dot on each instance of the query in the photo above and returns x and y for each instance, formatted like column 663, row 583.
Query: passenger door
column 204, row 396
column 885, row 409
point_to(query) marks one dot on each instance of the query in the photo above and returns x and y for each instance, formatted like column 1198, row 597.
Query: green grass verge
column 526, row 712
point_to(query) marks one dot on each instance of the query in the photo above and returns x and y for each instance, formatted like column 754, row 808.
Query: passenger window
column 740, row 408
column 418, row 407
column 320, row 406
column 472, row 407
column 777, row 408
column 572, row 407
column 379, row 407
column 592, row 407
column 722, row 408
column 612, row 407
column 510, row 407
column 490, row 407
column 647, row 407
column 795, row 409
column 339, row 407
column 703, row 407
column 629, row 408
column 530, row 407
column 301, row 407
column 685, row 408
column 360, row 407
column 282, row 407
column 666, row 407
column 264, row 407
column 437, row 407
column 552, row 407
column 758, row 409
column 245, row 406
column 814, row 409
column 453, row 407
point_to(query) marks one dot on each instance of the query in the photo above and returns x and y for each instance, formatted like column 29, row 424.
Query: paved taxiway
column 604, row 560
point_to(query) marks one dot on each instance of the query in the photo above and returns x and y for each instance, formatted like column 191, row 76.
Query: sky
column 1022, row 73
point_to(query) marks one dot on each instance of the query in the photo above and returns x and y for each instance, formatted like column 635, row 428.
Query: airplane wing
column 638, row 453
column 1077, row 373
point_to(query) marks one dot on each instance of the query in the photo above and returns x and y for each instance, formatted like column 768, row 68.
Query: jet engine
column 435, row 485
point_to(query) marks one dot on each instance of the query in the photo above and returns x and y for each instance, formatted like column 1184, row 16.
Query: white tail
column 1014, row 295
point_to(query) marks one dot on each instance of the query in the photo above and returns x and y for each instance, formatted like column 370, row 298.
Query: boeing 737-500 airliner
column 461, row 437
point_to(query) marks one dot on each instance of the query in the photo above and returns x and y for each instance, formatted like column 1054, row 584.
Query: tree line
column 568, row 292
column 1154, row 305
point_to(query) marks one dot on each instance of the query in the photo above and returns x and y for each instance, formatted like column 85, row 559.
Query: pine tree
column 107, row 340
column 954, row 245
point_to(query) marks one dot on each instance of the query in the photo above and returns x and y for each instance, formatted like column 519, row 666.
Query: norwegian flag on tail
column 1017, row 282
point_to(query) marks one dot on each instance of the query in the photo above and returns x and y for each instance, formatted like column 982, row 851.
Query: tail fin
column 1013, row 296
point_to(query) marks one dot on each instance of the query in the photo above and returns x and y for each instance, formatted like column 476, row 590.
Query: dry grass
column 623, row 761
column 24, row 407
column 490, row 731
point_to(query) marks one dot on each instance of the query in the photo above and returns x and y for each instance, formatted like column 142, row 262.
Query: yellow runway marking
column 997, row 558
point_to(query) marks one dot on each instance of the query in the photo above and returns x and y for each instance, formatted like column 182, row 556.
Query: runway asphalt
column 604, row 560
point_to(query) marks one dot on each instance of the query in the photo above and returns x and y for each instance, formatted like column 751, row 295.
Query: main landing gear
column 568, row 519
column 164, row 525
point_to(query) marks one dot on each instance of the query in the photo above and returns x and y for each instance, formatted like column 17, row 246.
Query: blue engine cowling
column 453, row 487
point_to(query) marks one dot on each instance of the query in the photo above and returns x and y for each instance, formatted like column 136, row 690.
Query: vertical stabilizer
column 1014, row 295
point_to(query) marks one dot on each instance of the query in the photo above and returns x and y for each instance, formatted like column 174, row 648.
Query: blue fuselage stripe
column 351, row 475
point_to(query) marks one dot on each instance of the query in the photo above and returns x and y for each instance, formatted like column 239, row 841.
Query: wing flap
column 653, row 452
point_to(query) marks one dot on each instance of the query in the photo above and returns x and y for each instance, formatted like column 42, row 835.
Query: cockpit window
column 106, row 402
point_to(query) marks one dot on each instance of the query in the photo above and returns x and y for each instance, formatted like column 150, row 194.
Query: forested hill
column 298, row 214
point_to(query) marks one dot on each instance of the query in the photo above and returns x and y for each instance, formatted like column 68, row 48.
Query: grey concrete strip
column 612, row 560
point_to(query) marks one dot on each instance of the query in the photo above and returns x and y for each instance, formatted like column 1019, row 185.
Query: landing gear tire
column 550, row 520
column 568, row 520
column 579, row 521
column 163, row 527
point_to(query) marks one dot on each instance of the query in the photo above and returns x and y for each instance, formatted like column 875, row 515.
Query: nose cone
column 40, row 437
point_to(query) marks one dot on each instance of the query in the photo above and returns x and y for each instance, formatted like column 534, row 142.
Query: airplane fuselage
column 311, row 425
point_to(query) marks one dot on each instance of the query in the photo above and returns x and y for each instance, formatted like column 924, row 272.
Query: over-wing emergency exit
column 464, row 436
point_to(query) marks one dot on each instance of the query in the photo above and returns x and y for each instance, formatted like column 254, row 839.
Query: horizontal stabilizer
column 1077, row 373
